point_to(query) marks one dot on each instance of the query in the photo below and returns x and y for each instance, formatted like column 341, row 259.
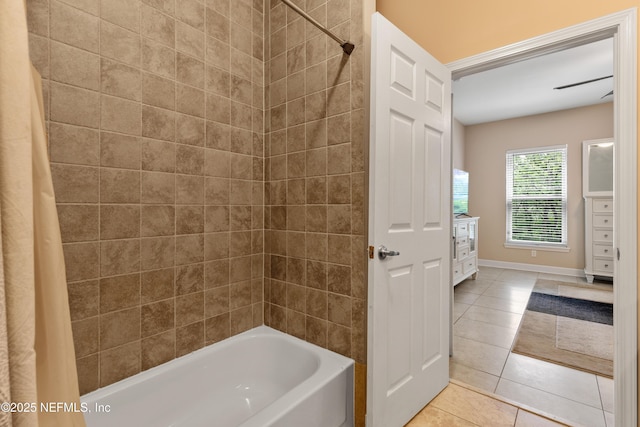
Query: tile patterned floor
column 460, row 405
column 487, row 312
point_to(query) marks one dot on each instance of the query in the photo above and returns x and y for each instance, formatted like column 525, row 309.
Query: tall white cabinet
column 465, row 248
column 597, row 190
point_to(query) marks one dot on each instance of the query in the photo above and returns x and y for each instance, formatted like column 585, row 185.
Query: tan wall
column 456, row 29
column 486, row 145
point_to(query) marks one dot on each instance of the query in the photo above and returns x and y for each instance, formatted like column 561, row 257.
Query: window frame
column 563, row 245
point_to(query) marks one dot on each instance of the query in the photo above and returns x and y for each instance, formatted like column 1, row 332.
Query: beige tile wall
column 190, row 168
column 315, row 245
column 155, row 114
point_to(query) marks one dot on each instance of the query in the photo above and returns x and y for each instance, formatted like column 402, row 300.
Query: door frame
column 622, row 26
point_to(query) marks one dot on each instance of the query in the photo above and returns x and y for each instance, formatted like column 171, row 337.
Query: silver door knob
column 383, row 252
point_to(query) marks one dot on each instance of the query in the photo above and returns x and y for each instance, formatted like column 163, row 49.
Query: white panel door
column 410, row 167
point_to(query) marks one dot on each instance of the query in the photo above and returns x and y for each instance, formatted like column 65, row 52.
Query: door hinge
column 618, row 253
column 371, row 252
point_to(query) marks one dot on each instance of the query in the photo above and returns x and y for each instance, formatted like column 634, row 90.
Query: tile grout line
column 500, row 378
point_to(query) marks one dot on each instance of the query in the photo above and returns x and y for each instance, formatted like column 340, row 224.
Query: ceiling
column 527, row 87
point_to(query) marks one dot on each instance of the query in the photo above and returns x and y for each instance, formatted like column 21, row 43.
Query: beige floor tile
column 434, row 417
column 549, row 287
column 484, row 332
column 489, row 272
column 605, row 385
column 558, row 277
column 465, row 297
column 517, row 276
column 474, row 407
column 493, row 316
column 473, row 377
column 515, row 283
column 559, row 380
column 459, row 309
column 480, row 364
column 501, row 304
column 549, row 403
column 483, row 357
column 477, row 286
column 508, row 292
column 527, row 419
column 610, row 419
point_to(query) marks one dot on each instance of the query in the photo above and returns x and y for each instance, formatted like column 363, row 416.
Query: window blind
column 537, row 196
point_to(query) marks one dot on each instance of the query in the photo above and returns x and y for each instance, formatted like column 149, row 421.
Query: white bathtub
column 259, row 378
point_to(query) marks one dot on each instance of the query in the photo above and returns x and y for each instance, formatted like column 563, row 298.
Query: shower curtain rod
column 346, row 46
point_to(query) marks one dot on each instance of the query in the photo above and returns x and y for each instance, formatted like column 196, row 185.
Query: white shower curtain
column 37, row 359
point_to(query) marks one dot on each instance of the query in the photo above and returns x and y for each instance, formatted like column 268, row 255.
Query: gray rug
column 565, row 330
column 574, row 308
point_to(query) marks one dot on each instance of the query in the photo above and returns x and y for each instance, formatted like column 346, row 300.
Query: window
column 537, row 197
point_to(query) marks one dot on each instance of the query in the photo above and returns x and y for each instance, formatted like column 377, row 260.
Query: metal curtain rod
column 346, row 46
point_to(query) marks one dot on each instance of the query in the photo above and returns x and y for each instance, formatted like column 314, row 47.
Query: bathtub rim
column 330, row 366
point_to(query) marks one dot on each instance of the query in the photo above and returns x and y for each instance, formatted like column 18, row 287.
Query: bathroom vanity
column 465, row 248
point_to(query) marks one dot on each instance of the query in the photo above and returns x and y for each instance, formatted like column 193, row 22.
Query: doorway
column 622, row 27
column 497, row 344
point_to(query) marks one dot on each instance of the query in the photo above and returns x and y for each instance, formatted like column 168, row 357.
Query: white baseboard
column 573, row 272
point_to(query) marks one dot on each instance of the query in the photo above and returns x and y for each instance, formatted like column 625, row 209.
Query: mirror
column 597, row 167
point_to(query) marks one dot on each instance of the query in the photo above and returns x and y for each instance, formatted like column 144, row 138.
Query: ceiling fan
column 584, row 83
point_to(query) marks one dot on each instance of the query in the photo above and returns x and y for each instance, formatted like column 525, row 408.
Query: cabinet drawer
column 463, row 252
column 463, row 229
column 603, row 235
column 602, row 220
column 602, row 205
column 469, row 265
column 462, row 240
column 603, row 250
column 457, row 270
column 603, row 264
